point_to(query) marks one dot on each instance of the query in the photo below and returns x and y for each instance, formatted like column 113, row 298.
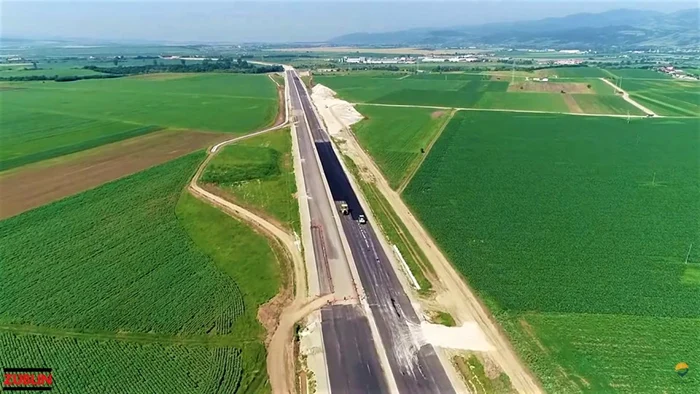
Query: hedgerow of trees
column 220, row 65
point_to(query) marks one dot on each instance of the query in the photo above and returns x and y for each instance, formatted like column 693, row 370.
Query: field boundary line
column 131, row 337
column 158, row 94
column 665, row 104
column 273, row 80
column 414, row 168
column 526, row 111
column 626, row 97
column 611, row 75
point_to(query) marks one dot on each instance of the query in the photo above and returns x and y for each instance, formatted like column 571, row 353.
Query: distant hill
column 619, row 28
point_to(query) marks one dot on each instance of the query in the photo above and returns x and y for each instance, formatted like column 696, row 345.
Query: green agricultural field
column 636, row 73
column 463, row 90
column 101, row 246
column 259, row 173
column 666, row 97
column 140, row 270
column 29, row 136
column 443, row 90
column 531, row 101
column 43, row 120
column 574, row 72
column 394, row 136
column 605, row 104
column 102, row 366
column 28, row 71
column 577, row 232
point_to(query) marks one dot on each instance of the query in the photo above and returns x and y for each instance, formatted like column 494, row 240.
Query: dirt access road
column 627, row 98
column 280, row 344
column 280, row 352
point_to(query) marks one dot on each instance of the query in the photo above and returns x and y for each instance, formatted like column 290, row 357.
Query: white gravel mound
column 466, row 337
column 338, row 114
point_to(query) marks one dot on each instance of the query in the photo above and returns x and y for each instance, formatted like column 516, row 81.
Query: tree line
column 57, row 78
column 221, row 65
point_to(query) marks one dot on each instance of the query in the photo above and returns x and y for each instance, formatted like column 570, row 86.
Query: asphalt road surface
column 346, row 338
column 351, row 354
column 414, row 364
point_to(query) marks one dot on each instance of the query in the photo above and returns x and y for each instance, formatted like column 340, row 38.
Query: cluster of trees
column 374, row 67
column 58, row 78
column 223, row 64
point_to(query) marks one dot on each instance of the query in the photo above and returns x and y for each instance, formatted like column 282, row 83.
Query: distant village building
column 569, row 62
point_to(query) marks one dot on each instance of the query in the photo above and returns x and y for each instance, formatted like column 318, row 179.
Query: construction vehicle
column 344, row 208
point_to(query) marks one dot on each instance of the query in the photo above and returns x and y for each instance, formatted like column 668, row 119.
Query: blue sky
column 279, row 21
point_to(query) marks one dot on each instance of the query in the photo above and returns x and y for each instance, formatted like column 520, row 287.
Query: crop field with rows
column 556, row 217
column 141, row 270
column 28, row 136
column 259, row 173
column 115, row 258
column 573, row 72
column 672, row 98
column 448, row 90
column 637, row 73
column 487, row 91
column 394, row 136
column 109, row 366
column 44, row 120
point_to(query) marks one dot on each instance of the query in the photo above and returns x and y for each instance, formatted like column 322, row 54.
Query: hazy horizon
column 273, row 22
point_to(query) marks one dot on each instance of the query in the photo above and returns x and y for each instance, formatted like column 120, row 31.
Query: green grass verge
column 253, row 263
column 443, row 318
column 394, row 136
column 278, row 78
column 600, row 210
column 476, row 379
column 259, row 173
column 394, row 229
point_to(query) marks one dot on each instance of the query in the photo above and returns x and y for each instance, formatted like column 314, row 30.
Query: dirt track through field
column 525, row 111
column 41, row 183
column 280, row 344
column 572, row 104
column 627, row 98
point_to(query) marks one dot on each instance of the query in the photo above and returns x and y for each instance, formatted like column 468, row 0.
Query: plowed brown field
column 38, row 184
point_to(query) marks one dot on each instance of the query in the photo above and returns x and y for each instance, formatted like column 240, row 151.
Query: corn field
column 115, row 259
